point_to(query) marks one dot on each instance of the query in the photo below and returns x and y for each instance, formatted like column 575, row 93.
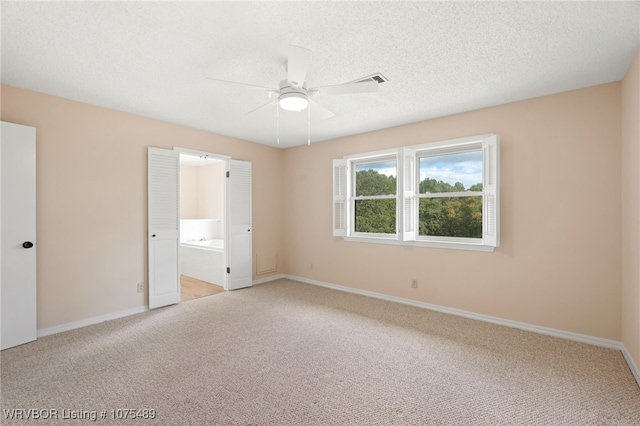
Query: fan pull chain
column 309, row 124
column 277, row 124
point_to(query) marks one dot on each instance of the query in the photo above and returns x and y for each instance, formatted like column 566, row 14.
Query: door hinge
column 227, row 174
column 228, row 270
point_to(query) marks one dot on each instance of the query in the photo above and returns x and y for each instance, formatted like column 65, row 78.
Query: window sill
column 428, row 244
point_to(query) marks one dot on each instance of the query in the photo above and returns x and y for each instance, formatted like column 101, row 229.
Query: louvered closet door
column 163, row 226
column 240, row 241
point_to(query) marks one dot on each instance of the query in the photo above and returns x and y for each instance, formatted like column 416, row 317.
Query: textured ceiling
column 152, row 59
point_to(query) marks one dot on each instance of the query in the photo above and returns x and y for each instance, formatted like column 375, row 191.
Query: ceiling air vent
column 375, row 77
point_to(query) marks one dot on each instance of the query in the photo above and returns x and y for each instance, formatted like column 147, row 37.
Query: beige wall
column 211, row 191
column 559, row 264
column 188, row 192
column 91, row 199
column 202, row 191
column 559, row 261
column 631, row 210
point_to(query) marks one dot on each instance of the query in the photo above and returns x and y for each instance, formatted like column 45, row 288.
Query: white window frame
column 408, row 196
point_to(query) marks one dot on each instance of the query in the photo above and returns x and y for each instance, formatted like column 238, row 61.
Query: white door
column 240, row 255
column 163, row 226
column 18, row 234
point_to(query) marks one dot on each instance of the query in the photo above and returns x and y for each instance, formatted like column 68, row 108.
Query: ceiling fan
column 293, row 94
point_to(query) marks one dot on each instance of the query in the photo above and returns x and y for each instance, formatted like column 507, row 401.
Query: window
column 450, row 194
column 374, row 196
column 447, row 195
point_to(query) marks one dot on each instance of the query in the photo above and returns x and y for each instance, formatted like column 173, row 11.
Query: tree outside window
column 450, row 195
column 375, row 197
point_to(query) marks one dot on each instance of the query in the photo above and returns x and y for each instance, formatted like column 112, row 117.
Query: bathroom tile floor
column 191, row 288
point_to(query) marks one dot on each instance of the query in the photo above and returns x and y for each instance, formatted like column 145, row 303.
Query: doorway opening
column 233, row 226
column 202, row 252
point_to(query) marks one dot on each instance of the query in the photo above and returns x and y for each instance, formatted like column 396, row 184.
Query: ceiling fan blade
column 322, row 111
column 343, row 89
column 298, row 62
column 250, row 86
column 261, row 106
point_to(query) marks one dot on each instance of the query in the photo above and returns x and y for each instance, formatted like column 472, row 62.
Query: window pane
column 457, row 172
column 451, row 217
column 377, row 178
column 378, row 216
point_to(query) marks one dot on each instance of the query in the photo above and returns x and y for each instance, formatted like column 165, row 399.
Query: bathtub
column 206, row 244
column 203, row 260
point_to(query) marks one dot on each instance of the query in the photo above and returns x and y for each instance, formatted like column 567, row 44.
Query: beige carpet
column 286, row 353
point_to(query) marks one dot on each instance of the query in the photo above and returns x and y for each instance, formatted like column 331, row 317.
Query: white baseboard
column 95, row 320
column 267, row 279
column 583, row 338
column 90, row 321
column 632, row 365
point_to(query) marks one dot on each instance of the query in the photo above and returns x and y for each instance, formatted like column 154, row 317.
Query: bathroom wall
column 202, row 191
column 188, row 192
column 211, row 191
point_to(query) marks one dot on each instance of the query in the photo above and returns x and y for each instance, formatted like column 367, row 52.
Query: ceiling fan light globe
column 293, row 102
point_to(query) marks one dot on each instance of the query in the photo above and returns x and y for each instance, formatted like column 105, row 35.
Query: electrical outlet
column 414, row 283
column 140, row 287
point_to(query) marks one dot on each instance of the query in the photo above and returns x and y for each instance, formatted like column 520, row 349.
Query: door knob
column 27, row 244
